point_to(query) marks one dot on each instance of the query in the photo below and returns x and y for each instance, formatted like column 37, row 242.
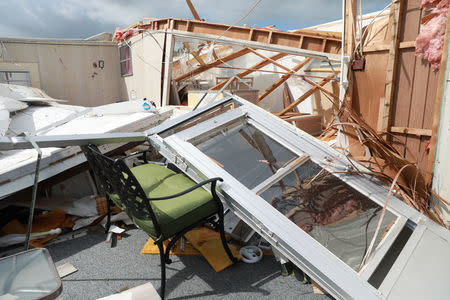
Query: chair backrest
column 118, row 179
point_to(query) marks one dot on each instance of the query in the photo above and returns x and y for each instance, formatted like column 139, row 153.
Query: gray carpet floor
column 103, row 271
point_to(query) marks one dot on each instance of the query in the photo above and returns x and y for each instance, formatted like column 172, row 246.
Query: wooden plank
column 283, row 79
column 252, row 69
column 217, row 62
column 381, row 47
column 305, row 96
column 320, row 33
column 413, row 131
column 437, row 107
column 384, row 116
column 193, row 10
column 350, row 25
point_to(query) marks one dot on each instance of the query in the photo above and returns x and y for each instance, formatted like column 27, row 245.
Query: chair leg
column 223, row 238
column 108, row 216
column 163, row 269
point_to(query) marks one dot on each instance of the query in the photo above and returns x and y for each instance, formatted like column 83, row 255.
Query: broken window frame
column 320, row 263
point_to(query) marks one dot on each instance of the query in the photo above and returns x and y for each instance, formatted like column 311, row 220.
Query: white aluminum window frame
column 26, row 72
column 303, row 250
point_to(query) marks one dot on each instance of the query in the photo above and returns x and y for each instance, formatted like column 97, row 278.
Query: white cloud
column 82, row 18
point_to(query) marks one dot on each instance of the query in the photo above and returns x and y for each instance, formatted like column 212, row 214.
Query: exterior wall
column 64, row 68
column 441, row 174
column 146, row 57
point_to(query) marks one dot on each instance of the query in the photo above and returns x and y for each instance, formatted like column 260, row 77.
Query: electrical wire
column 359, row 44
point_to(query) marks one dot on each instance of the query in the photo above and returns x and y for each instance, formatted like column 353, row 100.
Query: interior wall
column 66, row 70
column 147, row 57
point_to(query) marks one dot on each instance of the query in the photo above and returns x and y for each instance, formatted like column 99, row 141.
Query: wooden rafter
column 283, row 79
column 216, row 62
column 384, row 115
column 305, row 95
column 322, row 89
column 252, row 69
column 176, row 64
column 271, row 60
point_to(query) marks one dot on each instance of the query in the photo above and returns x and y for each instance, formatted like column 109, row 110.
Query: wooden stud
column 283, row 79
column 437, row 107
column 350, row 23
column 269, row 37
column 384, row 115
column 413, row 131
column 381, row 47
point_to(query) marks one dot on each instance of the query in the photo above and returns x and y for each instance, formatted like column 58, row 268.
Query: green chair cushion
column 173, row 215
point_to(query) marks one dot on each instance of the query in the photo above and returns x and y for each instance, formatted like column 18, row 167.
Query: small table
column 29, row 275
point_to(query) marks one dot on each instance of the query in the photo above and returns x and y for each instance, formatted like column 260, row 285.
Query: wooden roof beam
column 283, row 79
column 309, row 40
column 213, row 64
column 193, row 10
column 305, row 95
column 271, row 60
column 252, row 69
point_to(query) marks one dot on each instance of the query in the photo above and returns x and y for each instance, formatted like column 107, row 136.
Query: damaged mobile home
column 329, row 143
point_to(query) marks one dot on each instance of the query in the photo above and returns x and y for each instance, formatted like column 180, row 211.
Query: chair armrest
column 213, row 180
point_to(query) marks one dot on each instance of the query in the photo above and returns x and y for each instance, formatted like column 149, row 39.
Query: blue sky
column 84, row 18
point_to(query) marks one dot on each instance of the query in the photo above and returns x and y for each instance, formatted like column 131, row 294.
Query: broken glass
column 245, row 152
column 333, row 213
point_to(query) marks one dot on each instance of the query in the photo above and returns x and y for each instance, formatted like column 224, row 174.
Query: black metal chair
column 163, row 203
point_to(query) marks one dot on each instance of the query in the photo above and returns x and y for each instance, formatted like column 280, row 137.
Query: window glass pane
column 336, row 215
column 15, row 77
column 124, row 52
column 246, row 153
column 125, row 68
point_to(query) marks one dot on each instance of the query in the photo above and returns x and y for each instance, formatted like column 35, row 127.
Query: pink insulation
column 430, row 41
column 122, row 35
